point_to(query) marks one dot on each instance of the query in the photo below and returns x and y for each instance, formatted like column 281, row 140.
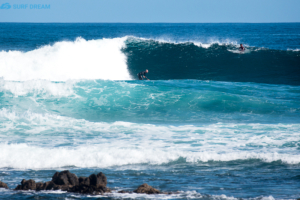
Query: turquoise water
column 225, row 127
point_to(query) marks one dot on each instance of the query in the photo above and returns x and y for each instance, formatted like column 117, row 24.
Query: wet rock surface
column 124, row 191
column 65, row 178
column 94, row 184
column 3, row 185
column 98, row 180
column 146, row 189
column 27, row 185
column 66, row 181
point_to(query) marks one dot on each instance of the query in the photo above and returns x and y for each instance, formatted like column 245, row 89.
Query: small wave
column 190, row 194
column 293, row 49
column 177, row 195
column 23, row 156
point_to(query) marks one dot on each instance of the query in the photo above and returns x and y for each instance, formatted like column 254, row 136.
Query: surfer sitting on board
column 142, row 75
column 242, row 48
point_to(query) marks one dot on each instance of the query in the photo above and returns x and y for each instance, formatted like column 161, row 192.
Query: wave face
column 213, row 61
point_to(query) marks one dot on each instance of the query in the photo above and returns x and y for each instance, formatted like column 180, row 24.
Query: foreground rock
column 27, row 185
column 67, row 181
column 46, row 186
column 60, row 181
column 32, row 185
column 3, row 185
column 146, row 189
column 94, row 184
column 65, row 178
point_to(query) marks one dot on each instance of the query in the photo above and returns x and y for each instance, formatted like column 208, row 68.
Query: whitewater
column 211, row 123
column 62, row 61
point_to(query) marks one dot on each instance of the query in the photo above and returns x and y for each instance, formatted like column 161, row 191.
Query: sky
column 150, row 11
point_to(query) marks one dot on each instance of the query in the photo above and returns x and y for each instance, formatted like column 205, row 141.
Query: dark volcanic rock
column 84, row 189
column 46, row 186
column 62, row 187
column 66, row 181
column 3, row 185
column 39, row 186
column 146, row 189
column 26, row 185
column 123, row 191
column 98, row 180
column 49, row 185
column 94, row 184
column 84, row 181
column 65, row 178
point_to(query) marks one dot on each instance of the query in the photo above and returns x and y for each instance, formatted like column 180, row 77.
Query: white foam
column 177, row 195
column 215, row 41
column 55, row 141
column 293, row 49
column 37, row 87
column 81, row 59
column 239, row 52
column 190, row 194
column 204, row 44
column 24, row 156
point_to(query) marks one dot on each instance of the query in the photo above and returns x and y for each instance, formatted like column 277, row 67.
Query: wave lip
column 203, row 44
column 81, row 59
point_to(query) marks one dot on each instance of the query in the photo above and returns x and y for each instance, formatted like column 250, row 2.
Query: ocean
column 211, row 123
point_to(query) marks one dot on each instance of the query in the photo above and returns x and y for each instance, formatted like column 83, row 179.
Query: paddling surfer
column 242, row 48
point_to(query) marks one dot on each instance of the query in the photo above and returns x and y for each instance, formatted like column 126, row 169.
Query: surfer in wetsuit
column 242, row 48
column 142, row 75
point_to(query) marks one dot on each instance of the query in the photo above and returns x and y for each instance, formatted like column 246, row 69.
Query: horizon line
column 156, row 22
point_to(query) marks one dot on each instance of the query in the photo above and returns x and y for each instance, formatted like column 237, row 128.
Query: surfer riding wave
column 142, row 75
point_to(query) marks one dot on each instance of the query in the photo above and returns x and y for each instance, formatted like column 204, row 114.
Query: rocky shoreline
column 95, row 184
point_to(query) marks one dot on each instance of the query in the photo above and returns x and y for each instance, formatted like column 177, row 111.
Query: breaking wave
column 81, row 59
column 122, row 58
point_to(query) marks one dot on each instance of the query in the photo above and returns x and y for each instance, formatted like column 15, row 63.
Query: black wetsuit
column 141, row 74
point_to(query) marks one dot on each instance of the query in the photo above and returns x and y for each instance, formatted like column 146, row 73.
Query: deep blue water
column 212, row 122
